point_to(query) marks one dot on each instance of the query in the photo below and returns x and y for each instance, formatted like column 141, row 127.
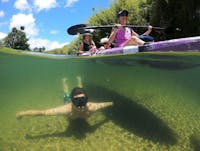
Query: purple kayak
column 177, row 45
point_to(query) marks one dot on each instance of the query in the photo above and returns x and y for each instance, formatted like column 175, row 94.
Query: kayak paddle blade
column 76, row 29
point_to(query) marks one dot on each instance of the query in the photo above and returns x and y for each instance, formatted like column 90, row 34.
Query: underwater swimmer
column 79, row 107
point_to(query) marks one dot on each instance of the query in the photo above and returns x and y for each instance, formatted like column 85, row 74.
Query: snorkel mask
column 81, row 101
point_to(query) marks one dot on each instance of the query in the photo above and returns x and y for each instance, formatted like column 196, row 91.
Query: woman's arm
column 148, row 31
column 62, row 110
column 113, row 33
column 93, row 44
column 81, row 48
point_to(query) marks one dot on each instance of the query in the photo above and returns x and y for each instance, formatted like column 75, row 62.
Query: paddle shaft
column 84, row 28
column 111, row 26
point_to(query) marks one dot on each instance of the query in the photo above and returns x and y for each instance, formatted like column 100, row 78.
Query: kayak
column 177, row 45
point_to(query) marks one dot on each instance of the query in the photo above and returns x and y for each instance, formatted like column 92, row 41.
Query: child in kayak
column 79, row 107
column 125, row 36
column 105, row 44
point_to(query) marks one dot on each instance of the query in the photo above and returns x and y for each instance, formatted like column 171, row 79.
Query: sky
column 46, row 21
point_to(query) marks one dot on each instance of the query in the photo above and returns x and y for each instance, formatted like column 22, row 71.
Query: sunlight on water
column 156, row 102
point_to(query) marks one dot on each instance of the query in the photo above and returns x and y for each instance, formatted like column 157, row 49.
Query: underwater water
column 156, row 102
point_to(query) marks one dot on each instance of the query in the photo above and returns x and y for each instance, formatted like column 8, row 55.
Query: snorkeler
column 79, row 107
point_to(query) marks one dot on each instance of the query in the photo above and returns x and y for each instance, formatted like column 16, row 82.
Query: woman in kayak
column 87, row 44
column 79, row 107
column 125, row 36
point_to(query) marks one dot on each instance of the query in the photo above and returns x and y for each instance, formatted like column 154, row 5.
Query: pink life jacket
column 122, row 36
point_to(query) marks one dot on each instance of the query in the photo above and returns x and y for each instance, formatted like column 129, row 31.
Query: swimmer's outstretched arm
column 98, row 106
column 62, row 110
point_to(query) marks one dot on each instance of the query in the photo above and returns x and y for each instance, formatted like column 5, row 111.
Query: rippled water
column 156, row 102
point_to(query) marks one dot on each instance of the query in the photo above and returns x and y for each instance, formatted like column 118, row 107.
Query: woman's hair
column 87, row 34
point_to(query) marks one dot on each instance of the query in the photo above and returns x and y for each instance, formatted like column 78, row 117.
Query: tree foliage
column 16, row 39
column 1, row 43
column 74, row 46
column 174, row 14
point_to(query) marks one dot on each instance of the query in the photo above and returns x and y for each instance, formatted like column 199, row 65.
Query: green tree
column 74, row 46
column 1, row 43
column 16, row 39
column 174, row 14
column 40, row 49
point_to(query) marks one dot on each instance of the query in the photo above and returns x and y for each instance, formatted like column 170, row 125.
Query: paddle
column 84, row 28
